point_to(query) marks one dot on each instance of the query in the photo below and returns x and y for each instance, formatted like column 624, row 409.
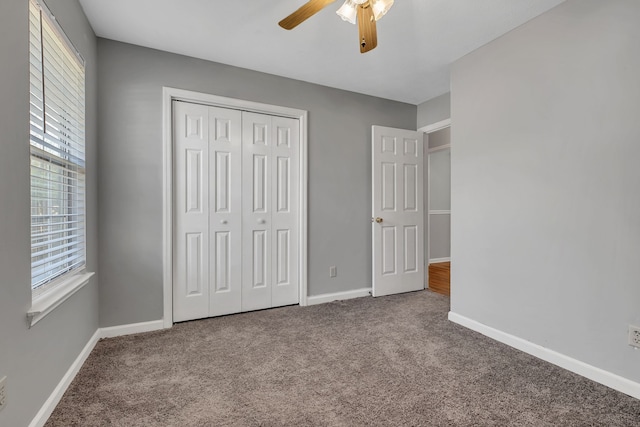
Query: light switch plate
column 634, row 336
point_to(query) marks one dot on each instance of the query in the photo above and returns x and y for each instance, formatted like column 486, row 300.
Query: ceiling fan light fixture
column 380, row 7
column 348, row 11
column 355, row 11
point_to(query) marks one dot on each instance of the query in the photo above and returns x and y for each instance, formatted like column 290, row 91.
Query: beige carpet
column 392, row 361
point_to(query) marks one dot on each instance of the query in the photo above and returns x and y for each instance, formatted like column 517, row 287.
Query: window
column 57, row 134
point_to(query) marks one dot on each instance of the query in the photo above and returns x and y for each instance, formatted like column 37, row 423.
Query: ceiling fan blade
column 305, row 12
column 367, row 28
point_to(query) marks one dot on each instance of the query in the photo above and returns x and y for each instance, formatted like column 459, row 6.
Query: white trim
column 338, row 296
column 133, row 328
column 435, row 126
column 48, row 301
column 438, row 148
column 50, row 404
column 304, row 185
column 440, row 212
column 233, row 103
column 167, row 208
column 437, row 260
column 598, row 375
column 170, row 94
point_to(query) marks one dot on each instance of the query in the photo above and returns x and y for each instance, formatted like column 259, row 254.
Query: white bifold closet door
column 270, row 215
column 235, row 216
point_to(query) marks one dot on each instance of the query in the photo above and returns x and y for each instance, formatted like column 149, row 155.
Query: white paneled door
column 397, row 212
column 235, row 211
column 269, row 191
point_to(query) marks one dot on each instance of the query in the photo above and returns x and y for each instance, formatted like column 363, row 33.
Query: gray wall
column 440, row 242
column 34, row 360
column 434, row 110
column 440, row 137
column 130, row 160
column 545, row 183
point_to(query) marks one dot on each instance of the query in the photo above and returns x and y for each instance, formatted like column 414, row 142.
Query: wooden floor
column 439, row 278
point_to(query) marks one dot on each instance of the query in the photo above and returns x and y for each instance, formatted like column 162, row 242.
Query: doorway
column 438, row 218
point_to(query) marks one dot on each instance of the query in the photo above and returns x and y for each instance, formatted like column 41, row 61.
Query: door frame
column 430, row 129
column 169, row 95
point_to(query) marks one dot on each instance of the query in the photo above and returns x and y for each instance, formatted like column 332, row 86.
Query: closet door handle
column 261, row 221
column 224, row 221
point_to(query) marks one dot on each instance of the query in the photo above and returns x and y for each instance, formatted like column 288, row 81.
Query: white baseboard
column 437, row 260
column 336, row 296
column 598, row 375
column 45, row 412
column 133, row 328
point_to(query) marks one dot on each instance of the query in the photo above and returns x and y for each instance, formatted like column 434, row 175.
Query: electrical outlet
column 3, row 393
column 333, row 271
column 634, row 336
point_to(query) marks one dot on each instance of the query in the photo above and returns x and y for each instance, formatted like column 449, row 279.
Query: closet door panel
column 191, row 212
column 225, row 220
column 284, row 216
column 256, row 218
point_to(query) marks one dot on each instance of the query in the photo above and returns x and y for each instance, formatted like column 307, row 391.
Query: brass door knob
column 379, row 220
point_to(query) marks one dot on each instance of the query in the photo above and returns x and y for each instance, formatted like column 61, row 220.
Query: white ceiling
column 417, row 39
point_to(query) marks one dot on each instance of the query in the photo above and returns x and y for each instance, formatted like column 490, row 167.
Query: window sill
column 49, row 301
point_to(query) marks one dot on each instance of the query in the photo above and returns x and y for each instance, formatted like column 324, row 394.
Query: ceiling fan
column 366, row 12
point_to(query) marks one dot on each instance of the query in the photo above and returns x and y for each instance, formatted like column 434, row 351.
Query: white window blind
column 57, row 135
